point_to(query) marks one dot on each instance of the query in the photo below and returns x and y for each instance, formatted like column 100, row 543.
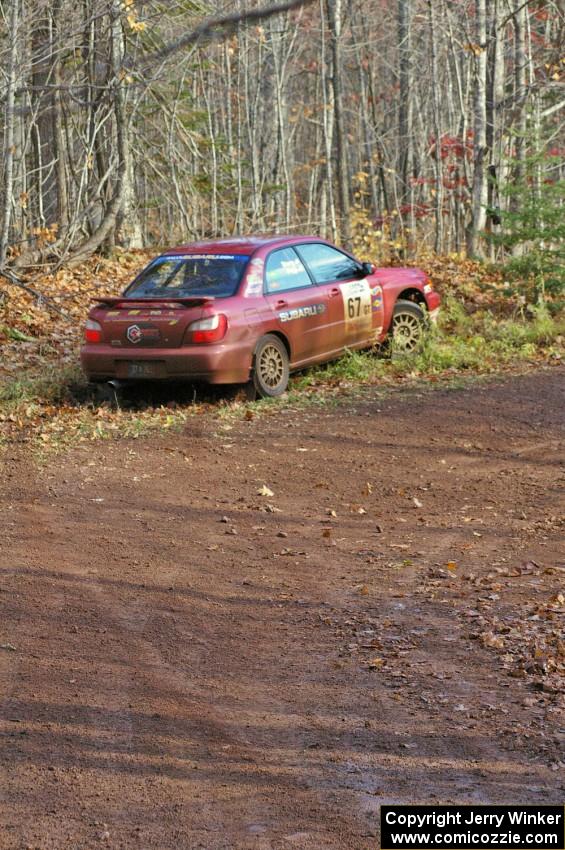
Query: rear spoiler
column 173, row 303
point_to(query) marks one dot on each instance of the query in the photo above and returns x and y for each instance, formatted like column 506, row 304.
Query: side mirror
column 367, row 268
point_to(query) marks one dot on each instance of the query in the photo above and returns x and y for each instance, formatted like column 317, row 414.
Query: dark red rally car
column 251, row 309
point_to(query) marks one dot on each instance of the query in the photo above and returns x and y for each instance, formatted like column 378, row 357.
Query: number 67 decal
column 354, row 307
column 357, row 305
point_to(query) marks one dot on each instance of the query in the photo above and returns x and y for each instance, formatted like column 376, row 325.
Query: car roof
column 240, row 244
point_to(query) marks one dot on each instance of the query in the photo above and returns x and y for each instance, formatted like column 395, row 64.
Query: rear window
column 215, row 275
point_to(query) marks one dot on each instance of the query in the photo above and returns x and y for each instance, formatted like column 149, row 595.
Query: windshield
column 213, row 275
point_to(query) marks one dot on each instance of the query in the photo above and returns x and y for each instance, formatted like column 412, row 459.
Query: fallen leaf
column 492, row 640
column 265, row 491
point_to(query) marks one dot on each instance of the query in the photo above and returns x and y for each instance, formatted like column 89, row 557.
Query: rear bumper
column 212, row 364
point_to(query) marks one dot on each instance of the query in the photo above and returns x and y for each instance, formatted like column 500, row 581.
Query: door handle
column 281, row 304
column 333, row 292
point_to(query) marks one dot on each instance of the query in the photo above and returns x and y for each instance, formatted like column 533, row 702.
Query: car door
column 300, row 307
column 355, row 309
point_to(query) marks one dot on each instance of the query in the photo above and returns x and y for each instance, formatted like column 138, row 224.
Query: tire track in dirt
column 138, row 665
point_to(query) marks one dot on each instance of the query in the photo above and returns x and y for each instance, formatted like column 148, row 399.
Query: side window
column 284, row 270
column 328, row 264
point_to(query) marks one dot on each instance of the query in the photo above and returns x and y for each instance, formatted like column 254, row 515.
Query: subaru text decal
column 302, row 312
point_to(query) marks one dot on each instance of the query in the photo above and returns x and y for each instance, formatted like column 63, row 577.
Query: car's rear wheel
column 408, row 327
column 271, row 367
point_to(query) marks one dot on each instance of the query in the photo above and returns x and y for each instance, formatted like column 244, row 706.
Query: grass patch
column 483, row 343
column 461, row 342
column 54, row 385
column 354, row 366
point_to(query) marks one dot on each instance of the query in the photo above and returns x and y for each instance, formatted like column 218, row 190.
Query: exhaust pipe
column 115, row 388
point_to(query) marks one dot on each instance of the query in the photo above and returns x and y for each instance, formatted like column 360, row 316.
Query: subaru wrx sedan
column 251, row 309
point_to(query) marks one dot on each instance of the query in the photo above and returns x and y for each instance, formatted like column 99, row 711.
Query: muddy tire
column 270, row 367
column 407, row 328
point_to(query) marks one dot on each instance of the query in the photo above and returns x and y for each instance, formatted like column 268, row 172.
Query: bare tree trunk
column 367, row 132
column 480, row 193
column 128, row 229
column 438, row 132
column 520, row 90
column 328, row 112
column 405, row 94
column 9, row 132
column 495, row 96
column 251, row 98
column 281, row 56
column 43, row 61
column 520, row 66
column 59, row 139
column 108, row 223
column 335, row 16
column 213, row 152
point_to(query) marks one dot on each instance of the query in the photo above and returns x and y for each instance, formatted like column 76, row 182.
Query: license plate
column 143, row 370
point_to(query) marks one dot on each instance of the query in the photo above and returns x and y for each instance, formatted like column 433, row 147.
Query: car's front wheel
column 408, row 327
column 271, row 367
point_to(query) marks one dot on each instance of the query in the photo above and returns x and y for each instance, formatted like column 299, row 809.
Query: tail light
column 92, row 331
column 211, row 329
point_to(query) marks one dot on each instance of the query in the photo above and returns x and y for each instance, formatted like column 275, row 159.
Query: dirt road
column 189, row 661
